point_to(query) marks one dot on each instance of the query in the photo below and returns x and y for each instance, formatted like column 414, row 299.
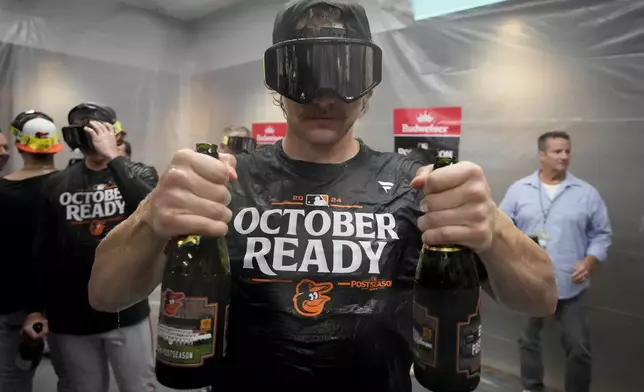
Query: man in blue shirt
column 570, row 220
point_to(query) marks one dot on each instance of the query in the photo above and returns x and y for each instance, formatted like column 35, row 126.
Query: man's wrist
column 499, row 228
column 144, row 218
column 591, row 261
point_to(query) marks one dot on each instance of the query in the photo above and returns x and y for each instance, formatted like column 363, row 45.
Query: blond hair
column 235, row 130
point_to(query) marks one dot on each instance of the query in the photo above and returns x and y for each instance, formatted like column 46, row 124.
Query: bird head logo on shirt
column 310, row 298
column 96, row 227
column 172, row 302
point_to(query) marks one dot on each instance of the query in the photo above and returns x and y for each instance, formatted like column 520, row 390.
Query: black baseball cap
column 91, row 111
column 354, row 17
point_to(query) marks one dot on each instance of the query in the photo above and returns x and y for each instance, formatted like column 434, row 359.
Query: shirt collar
column 534, row 180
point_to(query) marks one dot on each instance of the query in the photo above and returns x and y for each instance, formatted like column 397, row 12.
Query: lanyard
column 545, row 213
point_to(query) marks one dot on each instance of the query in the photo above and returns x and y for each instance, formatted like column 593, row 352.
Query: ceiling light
column 424, row 9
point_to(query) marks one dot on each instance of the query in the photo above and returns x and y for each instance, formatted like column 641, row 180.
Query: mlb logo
column 317, row 200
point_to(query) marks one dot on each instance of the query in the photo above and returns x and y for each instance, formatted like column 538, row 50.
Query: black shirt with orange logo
column 81, row 207
column 323, row 258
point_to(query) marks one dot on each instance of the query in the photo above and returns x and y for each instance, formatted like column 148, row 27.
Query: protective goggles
column 76, row 137
column 304, row 69
column 240, row 144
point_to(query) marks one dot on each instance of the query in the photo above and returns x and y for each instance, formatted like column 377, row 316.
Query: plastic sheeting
column 518, row 69
column 54, row 56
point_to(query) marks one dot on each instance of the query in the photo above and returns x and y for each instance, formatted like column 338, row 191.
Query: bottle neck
column 444, row 162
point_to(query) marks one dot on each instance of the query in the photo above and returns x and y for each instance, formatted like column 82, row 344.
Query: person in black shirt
column 82, row 204
column 4, row 151
column 323, row 232
column 20, row 196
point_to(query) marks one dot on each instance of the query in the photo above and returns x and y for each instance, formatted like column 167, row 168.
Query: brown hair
column 320, row 14
column 543, row 139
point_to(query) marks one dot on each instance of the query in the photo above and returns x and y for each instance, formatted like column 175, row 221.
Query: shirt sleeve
column 599, row 229
column 509, row 203
column 412, row 236
column 134, row 183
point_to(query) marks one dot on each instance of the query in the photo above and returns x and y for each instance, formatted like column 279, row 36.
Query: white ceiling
column 181, row 9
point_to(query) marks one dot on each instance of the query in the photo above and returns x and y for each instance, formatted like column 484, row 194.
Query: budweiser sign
column 427, row 122
column 268, row 133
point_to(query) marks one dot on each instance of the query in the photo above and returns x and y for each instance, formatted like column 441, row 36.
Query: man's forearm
column 128, row 265
column 520, row 272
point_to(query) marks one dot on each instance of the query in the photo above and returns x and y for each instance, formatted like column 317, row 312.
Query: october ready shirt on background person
column 80, row 206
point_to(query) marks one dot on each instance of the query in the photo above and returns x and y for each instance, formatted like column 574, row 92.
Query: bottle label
column 447, row 330
column 187, row 329
column 425, row 335
column 469, row 343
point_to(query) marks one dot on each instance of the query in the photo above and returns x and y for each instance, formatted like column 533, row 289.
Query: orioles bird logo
column 96, row 227
column 172, row 302
column 309, row 298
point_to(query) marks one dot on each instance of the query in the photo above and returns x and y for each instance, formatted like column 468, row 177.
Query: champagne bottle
column 30, row 352
column 195, row 300
column 446, row 318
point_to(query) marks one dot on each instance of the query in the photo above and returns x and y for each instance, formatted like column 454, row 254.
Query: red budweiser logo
column 268, row 133
column 427, row 121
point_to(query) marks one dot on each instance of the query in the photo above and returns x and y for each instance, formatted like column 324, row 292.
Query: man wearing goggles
column 323, row 232
column 237, row 140
column 324, row 67
column 80, row 205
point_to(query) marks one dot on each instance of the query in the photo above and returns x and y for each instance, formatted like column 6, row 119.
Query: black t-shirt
column 323, row 259
column 80, row 208
column 20, row 201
